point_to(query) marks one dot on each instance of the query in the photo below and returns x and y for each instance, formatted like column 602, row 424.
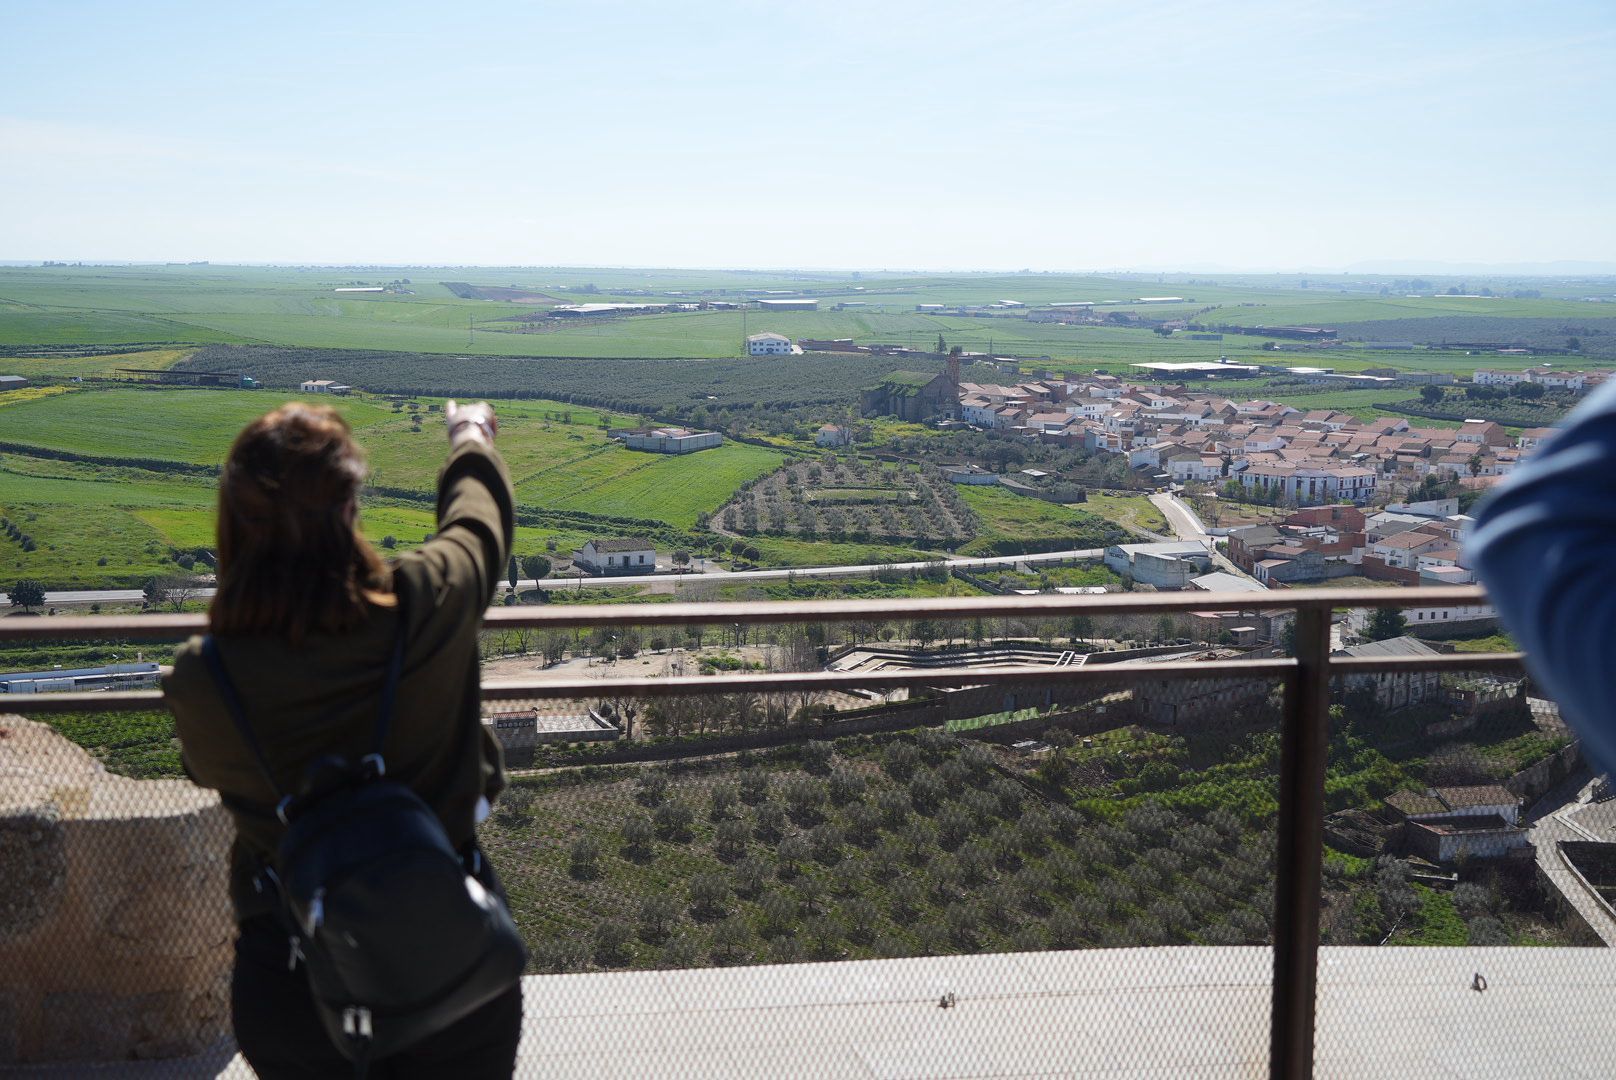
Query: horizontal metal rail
column 173, row 627
column 830, row 681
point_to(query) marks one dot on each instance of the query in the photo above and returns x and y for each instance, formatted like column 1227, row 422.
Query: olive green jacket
column 322, row 696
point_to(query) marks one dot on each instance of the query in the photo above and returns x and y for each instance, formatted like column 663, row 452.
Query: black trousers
column 280, row 1034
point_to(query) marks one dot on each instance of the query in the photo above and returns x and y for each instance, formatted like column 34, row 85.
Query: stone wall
column 115, row 926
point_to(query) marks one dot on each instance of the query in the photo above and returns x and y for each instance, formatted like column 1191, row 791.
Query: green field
column 298, row 307
column 102, row 522
column 1011, row 524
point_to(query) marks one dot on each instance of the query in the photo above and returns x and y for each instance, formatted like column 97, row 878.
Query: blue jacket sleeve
column 1545, row 545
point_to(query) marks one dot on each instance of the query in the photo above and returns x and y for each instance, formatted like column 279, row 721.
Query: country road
column 83, row 597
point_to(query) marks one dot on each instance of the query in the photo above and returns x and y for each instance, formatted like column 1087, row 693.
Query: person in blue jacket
column 1544, row 544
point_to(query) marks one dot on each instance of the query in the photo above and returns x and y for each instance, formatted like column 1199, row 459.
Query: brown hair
column 291, row 558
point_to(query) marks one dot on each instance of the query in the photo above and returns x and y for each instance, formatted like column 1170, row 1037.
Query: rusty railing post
column 1304, row 746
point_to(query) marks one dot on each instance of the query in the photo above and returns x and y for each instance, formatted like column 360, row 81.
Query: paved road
column 1183, row 521
column 82, row 597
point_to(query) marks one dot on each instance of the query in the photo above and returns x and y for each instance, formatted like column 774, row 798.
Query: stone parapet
column 115, row 925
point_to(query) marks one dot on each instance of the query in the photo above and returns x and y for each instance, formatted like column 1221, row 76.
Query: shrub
column 907, row 898
column 1033, row 831
column 1010, row 795
column 953, row 827
column 863, row 825
column 964, row 924
column 817, row 756
column 754, row 785
column 975, row 863
column 658, row 915
column 771, row 822
column 613, row 943
column 724, row 797
column 585, row 858
column 862, row 917
column 729, row 839
column 824, row 936
column 638, row 831
column 982, row 805
column 750, row 875
column 931, row 938
column 826, row 840
column 918, row 838
column 894, row 807
column 954, row 776
column 673, row 821
column 1486, row 930
column 779, row 914
column 1470, row 899
column 556, row 955
column 682, row 950
column 1005, row 844
column 925, row 792
column 804, row 797
column 652, row 788
column 846, row 786
column 732, row 940
column 900, row 760
column 709, row 896
column 934, row 743
column 791, row 853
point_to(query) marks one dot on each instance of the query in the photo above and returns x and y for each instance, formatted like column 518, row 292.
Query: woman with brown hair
column 305, row 621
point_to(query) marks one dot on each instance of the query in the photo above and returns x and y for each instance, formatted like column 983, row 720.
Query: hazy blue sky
column 940, row 135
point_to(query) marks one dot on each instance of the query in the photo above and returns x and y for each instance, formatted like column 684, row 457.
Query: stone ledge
column 115, row 925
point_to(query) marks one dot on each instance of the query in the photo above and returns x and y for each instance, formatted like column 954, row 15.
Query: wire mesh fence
column 1026, row 850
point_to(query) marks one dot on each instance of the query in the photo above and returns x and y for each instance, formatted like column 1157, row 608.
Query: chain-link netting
column 1011, row 876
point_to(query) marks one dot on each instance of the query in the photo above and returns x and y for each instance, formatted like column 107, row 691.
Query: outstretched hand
column 473, row 421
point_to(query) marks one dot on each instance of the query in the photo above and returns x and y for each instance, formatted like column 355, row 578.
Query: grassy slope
column 1018, row 519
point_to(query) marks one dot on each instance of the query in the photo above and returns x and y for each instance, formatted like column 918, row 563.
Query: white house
column 1403, row 549
column 324, row 386
column 767, row 344
column 613, row 557
column 833, row 435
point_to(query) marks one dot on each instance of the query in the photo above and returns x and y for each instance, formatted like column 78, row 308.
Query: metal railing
column 1306, row 679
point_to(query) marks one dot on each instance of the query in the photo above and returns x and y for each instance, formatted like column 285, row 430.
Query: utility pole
column 469, row 330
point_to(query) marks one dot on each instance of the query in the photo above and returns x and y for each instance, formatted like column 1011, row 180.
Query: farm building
column 833, row 435
column 66, row 680
column 615, row 557
column 1199, row 370
column 1171, row 564
column 324, row 386
column 767, row 344
column 12, row 382
column 667, row 440
column 789, row 305
column 912, row 395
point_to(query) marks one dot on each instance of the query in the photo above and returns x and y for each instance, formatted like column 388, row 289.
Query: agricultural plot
column 190, row 426
column 1010, row 524
column 847, row 499
column 917, row 845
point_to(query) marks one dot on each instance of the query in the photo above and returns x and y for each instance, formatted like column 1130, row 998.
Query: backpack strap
column 232, row 701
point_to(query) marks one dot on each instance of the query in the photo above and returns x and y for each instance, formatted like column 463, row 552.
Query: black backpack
column 398, row 936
